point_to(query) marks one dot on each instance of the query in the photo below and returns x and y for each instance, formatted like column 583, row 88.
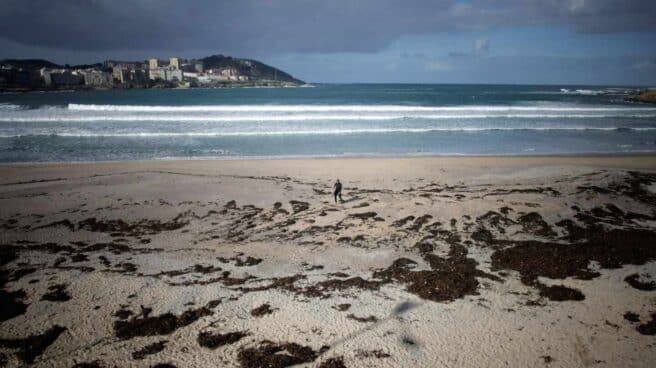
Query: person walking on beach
column 338, row 191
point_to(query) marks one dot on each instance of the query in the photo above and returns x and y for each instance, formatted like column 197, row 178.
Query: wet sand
column 435, row 261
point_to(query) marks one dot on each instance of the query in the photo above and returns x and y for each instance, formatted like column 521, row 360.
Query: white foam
column 305, row 117
column 586, row 92
column 9, row 107
column 344, row 108
column 318, row 132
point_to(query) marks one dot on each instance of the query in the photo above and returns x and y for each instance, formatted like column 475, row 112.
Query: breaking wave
column 322, row 132
column 292, row 118
column 10, row 107
column 342, row 108
column 329, row 120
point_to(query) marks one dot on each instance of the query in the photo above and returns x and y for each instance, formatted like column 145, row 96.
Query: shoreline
column 355, row 157
column 380, row 170
column 549, row 156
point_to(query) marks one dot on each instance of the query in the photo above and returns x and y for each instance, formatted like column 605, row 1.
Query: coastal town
column 213, row 71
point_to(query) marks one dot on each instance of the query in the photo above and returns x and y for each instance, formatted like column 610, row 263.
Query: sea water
column 323, row 120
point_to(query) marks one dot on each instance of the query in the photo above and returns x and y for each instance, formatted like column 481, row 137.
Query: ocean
column 323, row 120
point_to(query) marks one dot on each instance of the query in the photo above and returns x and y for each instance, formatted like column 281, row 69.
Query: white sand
column 495, row 328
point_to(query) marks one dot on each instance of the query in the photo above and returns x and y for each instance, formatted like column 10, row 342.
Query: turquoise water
column 323, row 120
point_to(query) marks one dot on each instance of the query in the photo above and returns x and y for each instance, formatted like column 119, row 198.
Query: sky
column 602, row 42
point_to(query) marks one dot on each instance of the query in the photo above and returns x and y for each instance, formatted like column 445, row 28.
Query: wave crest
column 343, row 108
column 325, row 132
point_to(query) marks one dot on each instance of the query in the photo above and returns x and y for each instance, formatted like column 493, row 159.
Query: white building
column 61, row 77
column 165, row 73
column 131, row 77
column 204, row 79
column 96, row 78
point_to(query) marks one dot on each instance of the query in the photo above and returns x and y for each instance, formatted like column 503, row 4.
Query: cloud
column 392, row 65
column 438, row 66
column 481, row 47
column 293, row 25
column 645, row 65
column 414, row 55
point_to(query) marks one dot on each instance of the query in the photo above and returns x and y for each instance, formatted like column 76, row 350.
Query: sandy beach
column 428, row 262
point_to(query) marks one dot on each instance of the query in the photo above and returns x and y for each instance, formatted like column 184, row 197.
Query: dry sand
column 429, row 262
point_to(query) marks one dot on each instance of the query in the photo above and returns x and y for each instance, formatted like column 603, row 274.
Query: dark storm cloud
column 294, row 25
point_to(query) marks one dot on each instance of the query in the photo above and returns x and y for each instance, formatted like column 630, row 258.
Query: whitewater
column 333, row 120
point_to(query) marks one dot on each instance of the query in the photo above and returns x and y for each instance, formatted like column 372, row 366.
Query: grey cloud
column 292, row 26
column 481, row 47
column 645, row 64
column 414, row 55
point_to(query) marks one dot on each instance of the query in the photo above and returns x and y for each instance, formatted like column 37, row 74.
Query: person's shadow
column 397, row 313
column 352, row 199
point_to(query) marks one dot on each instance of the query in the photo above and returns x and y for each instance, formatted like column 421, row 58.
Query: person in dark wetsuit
column 338, row 191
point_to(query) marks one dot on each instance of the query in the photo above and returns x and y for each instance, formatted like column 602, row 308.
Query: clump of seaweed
column 29, row 348
column 151, row 349
column 214, row 340
column 272, row 355
column 164, row 324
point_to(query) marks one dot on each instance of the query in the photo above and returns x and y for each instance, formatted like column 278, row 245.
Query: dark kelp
column 214, row 340
column 29, row 348
column 272, row 355
column 157, row 325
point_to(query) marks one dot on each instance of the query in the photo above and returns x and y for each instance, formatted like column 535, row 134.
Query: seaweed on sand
column 272, row 355
column 164, row 324
column 29, row 348
column 214, row 340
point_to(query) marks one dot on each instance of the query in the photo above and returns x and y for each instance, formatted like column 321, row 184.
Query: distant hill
column 30, row 64
column 257, row 72
column 252, row 68
column 36, row 64
column 85, row 66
